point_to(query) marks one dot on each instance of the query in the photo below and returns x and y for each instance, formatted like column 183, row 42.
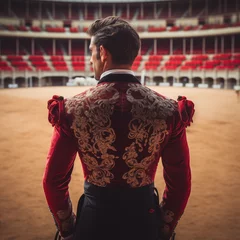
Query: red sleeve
column 176, row 169
column 59, row 168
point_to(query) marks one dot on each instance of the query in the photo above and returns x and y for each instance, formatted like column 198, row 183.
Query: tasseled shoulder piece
column 186, row 110
column 56, row 110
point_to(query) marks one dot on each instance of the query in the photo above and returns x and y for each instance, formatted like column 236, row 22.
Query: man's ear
column 103, row 53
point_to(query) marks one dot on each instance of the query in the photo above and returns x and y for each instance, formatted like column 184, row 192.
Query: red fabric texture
column 56, row 110
column 59, row 166
column 174, row 153
column 186, row 110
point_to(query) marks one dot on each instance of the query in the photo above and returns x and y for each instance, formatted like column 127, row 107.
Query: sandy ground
column 213, row 211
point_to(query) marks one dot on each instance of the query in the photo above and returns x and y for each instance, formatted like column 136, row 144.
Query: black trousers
column 117, row 214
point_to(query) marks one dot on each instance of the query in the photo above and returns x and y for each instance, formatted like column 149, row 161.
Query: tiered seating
column 36, row 29
column 172, row 65
column 190, row 28
column 22, row 28
column 85, row 29
column 74, row 30
column 58, row 63
column 210, row 64
column 174, row 28
column 137, row 63
column 156, row 29
column 177, row 58
column 236, row 56
column 237, row 24
column 214, row 26
column 153, row 62
column 201, row 57
column 222, row 56
column 39, row 63
column 178, row 50
column 11, row 28
column 174, row 62
column 55, row 29
column 193, row 64
column 229, row 64
column 18, row 63
column 78, row 63
column 4, row 66
column 156, row 58
column 77, row 10
column 150, row 28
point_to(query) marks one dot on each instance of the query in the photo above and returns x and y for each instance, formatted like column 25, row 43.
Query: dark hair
column 118, row 37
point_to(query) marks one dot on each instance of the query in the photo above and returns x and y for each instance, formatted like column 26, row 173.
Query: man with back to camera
column 120, row 129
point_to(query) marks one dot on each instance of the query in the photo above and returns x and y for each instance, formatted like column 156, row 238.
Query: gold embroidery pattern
column 92, row 127
column 147, row 130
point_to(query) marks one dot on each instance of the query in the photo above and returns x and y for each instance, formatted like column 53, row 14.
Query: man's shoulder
column 157, row 95
column 146, row 97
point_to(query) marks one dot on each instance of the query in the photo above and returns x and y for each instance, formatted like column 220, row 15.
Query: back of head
column 118, row 37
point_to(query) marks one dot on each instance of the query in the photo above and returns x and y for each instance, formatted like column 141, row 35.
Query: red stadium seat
column 59, row 64
column 3, row 64
column 39, row 63
column 74, row 30
column 78, row 58
column 57, row 58
column 186, row 68
column 6, row 68
column 61, row 68
column 14, row 58
column 222, row 56
column 42, row 68
column 79, row 68
column 36, row 58
column 200, row 57
column 55, row 29
column 19, row 64
column 177, row 57
column 155, row 58
column 236, row 56
column 139, row 57
column 35, row 29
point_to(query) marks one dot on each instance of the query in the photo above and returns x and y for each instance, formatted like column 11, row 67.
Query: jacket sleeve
column 176, row 169
column 59, row 166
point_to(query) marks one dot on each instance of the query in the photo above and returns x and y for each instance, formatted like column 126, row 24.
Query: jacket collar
column 116, row 71
column 116, row 77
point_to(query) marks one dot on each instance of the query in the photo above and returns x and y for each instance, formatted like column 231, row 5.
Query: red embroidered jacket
column 120, row 129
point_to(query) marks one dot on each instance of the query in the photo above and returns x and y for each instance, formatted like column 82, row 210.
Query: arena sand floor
column 213, row 211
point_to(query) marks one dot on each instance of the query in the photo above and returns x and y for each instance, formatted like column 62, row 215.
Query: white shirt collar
column 117, row 71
